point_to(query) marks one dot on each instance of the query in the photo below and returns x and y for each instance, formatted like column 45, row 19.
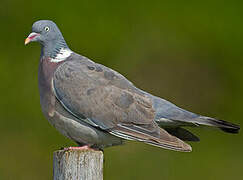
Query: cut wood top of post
column 66, row 150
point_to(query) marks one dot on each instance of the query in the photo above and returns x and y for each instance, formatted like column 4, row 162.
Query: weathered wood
column 78, row 165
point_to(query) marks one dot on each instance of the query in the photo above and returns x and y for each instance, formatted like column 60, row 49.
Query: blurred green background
column 188, row 52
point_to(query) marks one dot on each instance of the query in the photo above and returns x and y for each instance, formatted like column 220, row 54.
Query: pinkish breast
column 45, row 76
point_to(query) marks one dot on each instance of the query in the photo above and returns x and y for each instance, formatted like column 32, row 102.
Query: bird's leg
column 85, row 147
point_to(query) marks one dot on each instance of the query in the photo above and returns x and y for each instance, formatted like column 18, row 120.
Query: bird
column 97, row 107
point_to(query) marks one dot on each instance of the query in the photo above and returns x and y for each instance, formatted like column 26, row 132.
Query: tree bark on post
column 78, row 165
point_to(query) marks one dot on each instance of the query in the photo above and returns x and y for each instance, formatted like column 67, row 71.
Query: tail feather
column 168, row 114
column 223, row 125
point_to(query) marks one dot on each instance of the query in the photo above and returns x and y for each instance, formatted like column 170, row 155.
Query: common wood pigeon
column 97, row 107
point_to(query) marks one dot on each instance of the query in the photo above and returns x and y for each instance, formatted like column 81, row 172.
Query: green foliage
column 188, row 52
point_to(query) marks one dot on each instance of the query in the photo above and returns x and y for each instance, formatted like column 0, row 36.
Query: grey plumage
column 51, row 39
column 168, row 114
column 95, row 105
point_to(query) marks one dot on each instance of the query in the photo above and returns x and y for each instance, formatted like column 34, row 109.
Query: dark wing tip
column 182, row 134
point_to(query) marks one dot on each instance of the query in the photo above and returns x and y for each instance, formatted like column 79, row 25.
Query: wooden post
column 78, row 165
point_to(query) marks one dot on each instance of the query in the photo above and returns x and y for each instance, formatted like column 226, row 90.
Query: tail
column 169, row 115
column 223, row 125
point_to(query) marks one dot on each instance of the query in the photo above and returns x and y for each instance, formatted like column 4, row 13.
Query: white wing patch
column 62, row 55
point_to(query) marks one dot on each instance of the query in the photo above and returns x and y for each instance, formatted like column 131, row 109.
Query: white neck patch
column 62, row 55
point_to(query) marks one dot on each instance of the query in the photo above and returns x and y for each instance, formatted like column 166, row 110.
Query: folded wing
column 110, row 102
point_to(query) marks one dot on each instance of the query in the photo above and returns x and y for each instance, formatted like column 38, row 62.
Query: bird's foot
column 85, row 147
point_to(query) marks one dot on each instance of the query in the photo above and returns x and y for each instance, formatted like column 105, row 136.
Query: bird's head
column 49, row 36
column 44, row 32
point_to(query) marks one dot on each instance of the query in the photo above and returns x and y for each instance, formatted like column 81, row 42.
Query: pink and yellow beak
column 31, row 37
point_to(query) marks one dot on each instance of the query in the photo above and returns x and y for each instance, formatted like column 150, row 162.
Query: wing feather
column 107, row 100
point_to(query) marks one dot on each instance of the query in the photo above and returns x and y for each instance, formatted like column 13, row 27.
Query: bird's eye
column 47, row 28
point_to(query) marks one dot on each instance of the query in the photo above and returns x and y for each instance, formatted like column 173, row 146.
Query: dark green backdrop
column 189, row 52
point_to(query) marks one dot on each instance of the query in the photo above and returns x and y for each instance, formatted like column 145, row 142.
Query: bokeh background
column 188, row 52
